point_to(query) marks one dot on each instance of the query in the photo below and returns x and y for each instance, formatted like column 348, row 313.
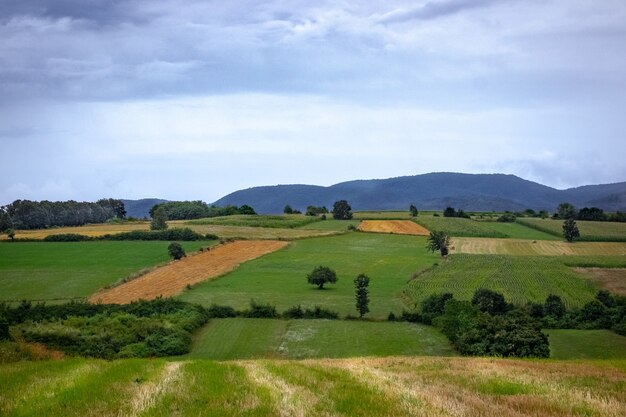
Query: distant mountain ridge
column 434, row 191
column 141, row 208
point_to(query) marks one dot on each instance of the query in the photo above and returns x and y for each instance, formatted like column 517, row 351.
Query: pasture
column 400, row 227
column 589, row 231
column 49, row 271
column 586, row 344
column 396, row 386
column 477, row 245
column 280, row 278
column 237, row 338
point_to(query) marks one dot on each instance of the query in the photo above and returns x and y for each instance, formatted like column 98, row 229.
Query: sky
column 194, row 99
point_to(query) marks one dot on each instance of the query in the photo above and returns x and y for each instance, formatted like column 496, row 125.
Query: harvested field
column 92, row 230
column 400, row 227
column 173, row 278
column 492, row 246
column 612, row 279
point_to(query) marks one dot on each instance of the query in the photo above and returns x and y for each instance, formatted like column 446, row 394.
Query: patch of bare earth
column 174, row 277
column 400, row 227
column 612, row 279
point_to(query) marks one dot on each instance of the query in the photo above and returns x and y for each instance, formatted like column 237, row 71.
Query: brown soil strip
column 400, row 227
column 611, row 279
column 173, row 278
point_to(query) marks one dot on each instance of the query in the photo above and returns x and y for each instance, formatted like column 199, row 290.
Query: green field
column 61, row 271
column 226, row 339
column 586, row 344
column 339, row 387
column 589, row 231
column 519, row 278
column 383, row 215
column 286, row 221
column 280, row 278
column 455, row 226
column 331, row 225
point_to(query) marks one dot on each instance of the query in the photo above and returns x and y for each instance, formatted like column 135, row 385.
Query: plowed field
column 491, row 246
column 400, row 227
column 173, row 278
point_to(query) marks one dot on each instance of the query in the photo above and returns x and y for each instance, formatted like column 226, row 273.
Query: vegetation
column 570, row 230
column 342, row 210
column 159, row 219
column 460, row 226
column 315, row 210
column 188, row 210
column 413, row 210
column 361, row 294
column 586, row 344
column 176, row 251
column 438, row 241
column 589, row 231
column 320, row 276
column 451, row 212
column 184, row 234
column 284, row 221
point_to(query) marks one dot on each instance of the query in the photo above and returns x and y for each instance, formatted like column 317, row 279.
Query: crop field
column 479, row 245
column 331, row 225
column 62, row 271
column 396, row 386
column 519, row 278
column 172, row 279
column 88, row 230
column 455, row 226
column 286, row 221
column 586, row 344
column 227, row 339
column 612, row 279
column 280, row 278
column 382, row 215
column 401, row 227
column 589, row 231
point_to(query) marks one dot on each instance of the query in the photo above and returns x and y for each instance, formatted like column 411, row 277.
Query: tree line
column 189, row 210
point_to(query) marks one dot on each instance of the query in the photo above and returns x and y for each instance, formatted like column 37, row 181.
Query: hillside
column 435, row 191
column 141, row 208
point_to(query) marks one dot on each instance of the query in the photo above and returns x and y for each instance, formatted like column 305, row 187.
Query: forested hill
column 141, row 208
column 435, row 191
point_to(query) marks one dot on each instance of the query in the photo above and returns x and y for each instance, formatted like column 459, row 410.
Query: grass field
column 61, row 271
column 331, row 225
column 586, row 344
column 286, row 221
column 280, row 278
column 382, row 215
column 481, row 245
column 225, row 339
column 347, row 387
column 589, row 231
column 519, row 278
column 459, row 227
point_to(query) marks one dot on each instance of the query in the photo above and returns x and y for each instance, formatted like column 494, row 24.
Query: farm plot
column 586, row 344
column 589, row 231
column 400, row 227
column 382, row 215
column 173, row 278
column 375, row 387
column 92, row 230
column 535, row 247
column 455, row 226
column 612, row 279
column 287, row 221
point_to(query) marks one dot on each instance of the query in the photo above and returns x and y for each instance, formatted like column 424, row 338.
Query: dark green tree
column 342, row 210
column 159, row 219
column 489, row 301
column 570, row 230
column 10, row 233
column 566, row 211
column 361, row 284
column 246, row 209
column 438, row 241
column 288, row 209
column 321, row 275
column 449, row 212
column 5, row 221
column 176, row 251
column 554, row 306
column 413, row 210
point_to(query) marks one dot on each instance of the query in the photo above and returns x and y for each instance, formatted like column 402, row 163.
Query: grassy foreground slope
column 351, row 387
column 280, row 278
column 62, row 271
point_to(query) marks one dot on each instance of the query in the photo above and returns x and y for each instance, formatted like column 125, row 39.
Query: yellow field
column 476, row 245
column 400, row 227
column 88, row 230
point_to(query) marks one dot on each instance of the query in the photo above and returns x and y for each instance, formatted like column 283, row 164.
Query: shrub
column 507, row 218
column 176, row 251
column 67, row 237
column 261, row 311
column 221, row 312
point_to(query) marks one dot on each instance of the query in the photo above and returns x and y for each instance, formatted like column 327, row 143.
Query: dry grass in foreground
column 400, row 227
column 494, row 246
column 174, row 277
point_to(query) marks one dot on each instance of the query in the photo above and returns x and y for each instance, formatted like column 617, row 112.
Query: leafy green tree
column 438, row 241
column 592, row 214
column 246, row 209
column 4, row 328
column 362, row 294
column 321, row 275
column 342, row 210
column 288, row 209
column 5, row 221
column 566, row 211
column 449, row 212
column 554, row 306
column 11, row 233
column 159, row 219
column 570, row 230
column 489, row 301
column 413, row 210
column 176, row 251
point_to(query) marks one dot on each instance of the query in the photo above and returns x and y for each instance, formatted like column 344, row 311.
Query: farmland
column 401, row 227
column 287, row 221
column 612, row 279
column 589, row 231
column 586, row 344
column 537, row 247
column 398, row 386
column 461, row 227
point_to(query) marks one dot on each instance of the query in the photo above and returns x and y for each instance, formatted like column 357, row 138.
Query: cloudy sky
column 193, row 99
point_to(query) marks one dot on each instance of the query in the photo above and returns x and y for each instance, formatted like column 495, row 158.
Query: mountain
column 141, row 208
column 435, row 191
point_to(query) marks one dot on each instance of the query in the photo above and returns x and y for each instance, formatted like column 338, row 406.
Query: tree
column 570, row 230
column 288, row 209
column 438, row 240
column 4, row 328
column 11, row 234
column 489, row 301
column 554, row 306
column 342, row 210
column 159, row 219
column 413, row 210
column 246, row 209
column 566, row 211
column 361, row 293
column 449, row 212
column 321, row 275
column 176, row 251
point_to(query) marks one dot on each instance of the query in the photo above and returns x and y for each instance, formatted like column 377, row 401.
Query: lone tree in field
column 438, row 241
column 361, row 293
column 159, row 219
column 288, row 209
column 570, row 230
column 342, row 210
column 413, row 210
column 321, row 275
column 176, row 251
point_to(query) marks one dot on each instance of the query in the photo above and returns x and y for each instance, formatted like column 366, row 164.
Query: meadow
column 285, row 221
column 589, row 231
column 586, row 344
column 461, row 227
column 49, row 271
column 396, row 386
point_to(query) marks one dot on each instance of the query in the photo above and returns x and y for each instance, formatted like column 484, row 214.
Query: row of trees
column 27, row 214
column 567, row 211
column 188, row 210
column 324, row 275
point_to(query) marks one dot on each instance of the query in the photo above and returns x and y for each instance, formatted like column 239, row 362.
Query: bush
column 507, row 218
column 67, row 237
column 257, row 310
column 221, row 312
column 182, row 234
column 176, row 251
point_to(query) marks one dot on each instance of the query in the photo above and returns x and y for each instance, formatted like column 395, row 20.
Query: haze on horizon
column 187, row 99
